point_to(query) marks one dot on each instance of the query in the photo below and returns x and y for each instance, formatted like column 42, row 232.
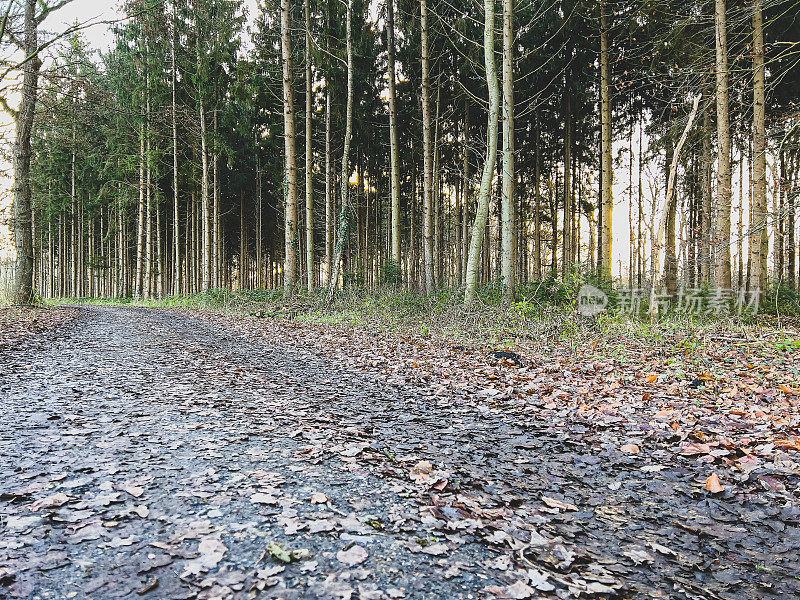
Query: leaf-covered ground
column 158, row 454
column 16, row 323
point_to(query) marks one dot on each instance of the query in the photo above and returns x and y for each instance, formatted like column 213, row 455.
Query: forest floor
column 175, row 454
column 17, row 323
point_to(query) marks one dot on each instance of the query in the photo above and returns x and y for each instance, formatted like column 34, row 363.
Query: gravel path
column 156, row 454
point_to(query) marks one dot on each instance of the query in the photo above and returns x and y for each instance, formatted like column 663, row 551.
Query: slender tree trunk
column 639, row 209
column 467, row 188
column 216, row 234
column 658, row 234
column 758, row 220
column 427, row 152
column 348, row 134
column 290, row 220
column 537, row 193
column 790, row 224
column 159, row 253
column 148, row 252
column 670, row 257
column 309, row 164
column 140, row 230
column 329, row 193
column 631, row 229
column 205, row 199
column 259, row 226
column 393, row 137
column 484, row 195
column 437, row 198
column 723, row 204
column 706, row 161
column 607, row 173
column 509, row 244
column 567, row 230
column 176, row 234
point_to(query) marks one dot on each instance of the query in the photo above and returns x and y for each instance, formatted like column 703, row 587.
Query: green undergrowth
column 543, row 315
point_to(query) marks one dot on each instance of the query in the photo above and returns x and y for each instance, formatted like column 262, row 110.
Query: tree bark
column 706, row 161
column 309, row 157
column 348, row 134
column 427, row 152
column 482, row 212
column 176, row 271
column 509, row 244
column 722, row 240
column 290, row 160
column 393, row 137
column 22, row 288
column 607, row 174
column 758, row 218
column 329, row 193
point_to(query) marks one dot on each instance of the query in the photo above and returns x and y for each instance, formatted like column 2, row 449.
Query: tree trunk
column 140, row 230
column 176, row 257
column 427, row 152
column 758, row 219
column 607, row 174
column 216, row 234
column 290, row 219
column 22, row 288
column 658, row 234
column 205, row 199
column 509, row 243
column 309, row 164
column 463, row 253
column 723, row 209
column 670, row 257
column 482, row 212
column 329, row 193
column 706, row 161
column 537, row 192
column 348, row 134
column 567, row 229
column 393, row 138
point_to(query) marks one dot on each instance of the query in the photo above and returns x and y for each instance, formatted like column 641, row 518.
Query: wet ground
column 159, row 454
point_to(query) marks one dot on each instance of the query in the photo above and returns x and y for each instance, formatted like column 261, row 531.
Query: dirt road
column 157, row 454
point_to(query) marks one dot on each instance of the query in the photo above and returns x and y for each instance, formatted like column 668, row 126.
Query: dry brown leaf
column 713, row 485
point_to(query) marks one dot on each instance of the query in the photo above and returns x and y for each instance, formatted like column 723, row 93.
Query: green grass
column 543, row 314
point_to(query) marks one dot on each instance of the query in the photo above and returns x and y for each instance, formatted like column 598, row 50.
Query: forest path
column 156, row 454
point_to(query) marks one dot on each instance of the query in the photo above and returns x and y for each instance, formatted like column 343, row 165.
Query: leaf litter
column 201, row 449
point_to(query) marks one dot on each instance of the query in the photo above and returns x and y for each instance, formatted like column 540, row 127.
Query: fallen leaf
column 693, row 448
column 352, row 556
column 261, row 498
column 515, row 591
column 53, row 501
column 554, row 503
column 713, row 485
column 630, row 449
column 133, row 490
column 319, row 498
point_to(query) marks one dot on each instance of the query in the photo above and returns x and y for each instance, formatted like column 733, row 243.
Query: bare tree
column 30, row 65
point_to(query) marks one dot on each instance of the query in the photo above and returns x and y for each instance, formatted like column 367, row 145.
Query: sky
column 100, row 36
